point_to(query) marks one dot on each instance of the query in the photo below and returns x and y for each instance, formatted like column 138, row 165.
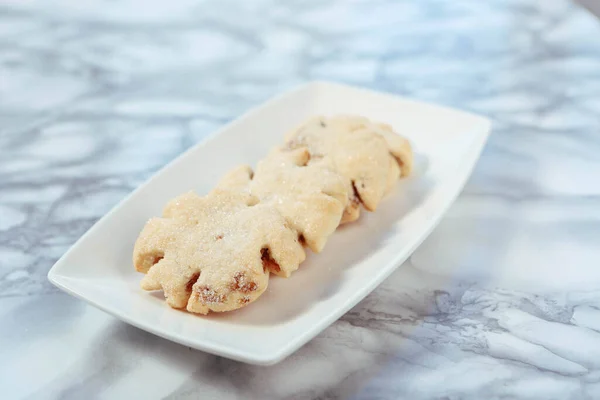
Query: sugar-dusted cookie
column 370, row 155
column 312, row 197
column 214, row 253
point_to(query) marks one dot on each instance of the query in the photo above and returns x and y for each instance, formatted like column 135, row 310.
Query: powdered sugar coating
column 311, row 197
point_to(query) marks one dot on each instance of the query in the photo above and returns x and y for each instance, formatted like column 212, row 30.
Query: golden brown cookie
column 312, row 197
column 214, row 253
column 370, row 155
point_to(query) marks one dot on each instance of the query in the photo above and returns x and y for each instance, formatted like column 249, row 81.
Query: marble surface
column 502, row 301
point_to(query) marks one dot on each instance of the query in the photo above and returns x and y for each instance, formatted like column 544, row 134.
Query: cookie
column 311, row 196
column 370, row 155
column 215, row 253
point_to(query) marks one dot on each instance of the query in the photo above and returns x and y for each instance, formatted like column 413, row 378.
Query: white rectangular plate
column 357, row 258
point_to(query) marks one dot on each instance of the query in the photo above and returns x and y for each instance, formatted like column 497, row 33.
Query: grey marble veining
column 502, row 301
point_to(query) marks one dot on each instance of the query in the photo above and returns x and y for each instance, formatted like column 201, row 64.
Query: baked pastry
column 368, row 154
column 214, row 253
column 311, row 197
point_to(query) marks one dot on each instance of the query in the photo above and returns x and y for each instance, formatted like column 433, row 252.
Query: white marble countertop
column 502, row 301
